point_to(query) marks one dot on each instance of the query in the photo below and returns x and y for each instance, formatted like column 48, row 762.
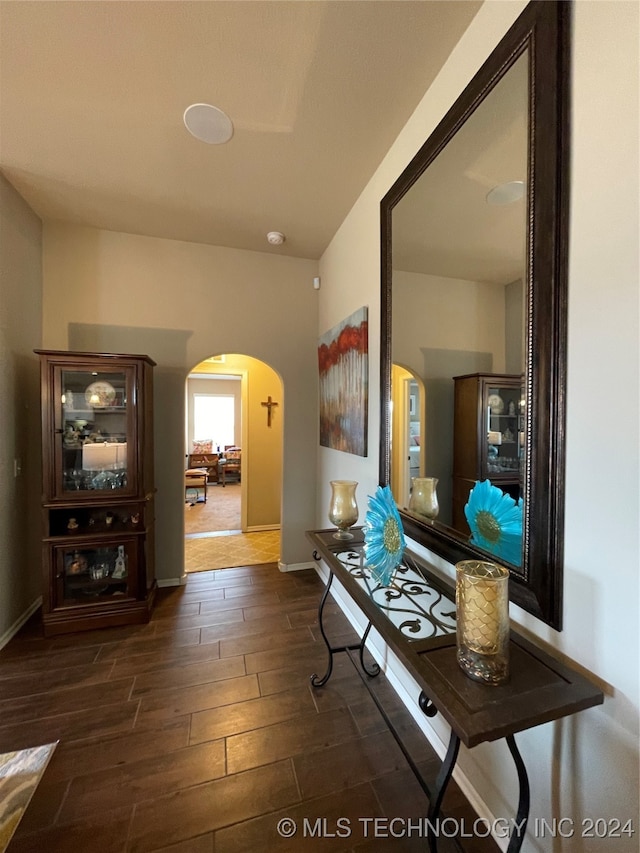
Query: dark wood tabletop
column 540, row 688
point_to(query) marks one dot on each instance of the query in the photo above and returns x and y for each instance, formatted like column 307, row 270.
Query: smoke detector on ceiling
column 276, row 238
column 208, row 124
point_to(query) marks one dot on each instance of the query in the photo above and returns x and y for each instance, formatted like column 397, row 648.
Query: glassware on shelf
column 100, row 571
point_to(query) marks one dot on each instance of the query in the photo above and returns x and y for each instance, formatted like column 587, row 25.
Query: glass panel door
column 94, row 432
column 90, row 572
column 504, row 434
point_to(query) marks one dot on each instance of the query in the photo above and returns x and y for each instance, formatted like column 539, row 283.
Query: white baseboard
column 13, row 630
column 295, row 567
column 261, row 528
column 407, row 690
column 162, row 582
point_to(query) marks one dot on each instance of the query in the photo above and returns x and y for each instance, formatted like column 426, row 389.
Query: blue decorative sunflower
column 495, row 519
column 383, row 536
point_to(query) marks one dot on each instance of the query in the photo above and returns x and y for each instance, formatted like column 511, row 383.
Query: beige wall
column 181, row 303
column 400, row 482
column 20, row 333
column 465, row 334
column 470, row 316
column 587, row 765
column 264, row 447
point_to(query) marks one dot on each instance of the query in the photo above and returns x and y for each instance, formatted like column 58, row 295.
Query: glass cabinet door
column 505, row 431
column 89, row 573
column 94, row 430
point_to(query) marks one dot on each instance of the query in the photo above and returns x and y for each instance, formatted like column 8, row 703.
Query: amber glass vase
column 343, row 509
column 424, row 497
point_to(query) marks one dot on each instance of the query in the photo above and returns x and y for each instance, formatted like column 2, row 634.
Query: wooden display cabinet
column 488, row 437
column 98, row 490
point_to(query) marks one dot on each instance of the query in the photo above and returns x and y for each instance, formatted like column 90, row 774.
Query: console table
column 415, row 615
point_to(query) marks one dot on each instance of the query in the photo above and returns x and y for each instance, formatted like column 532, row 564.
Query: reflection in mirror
column 473, row 320
column 459, row 238
column 407, row 429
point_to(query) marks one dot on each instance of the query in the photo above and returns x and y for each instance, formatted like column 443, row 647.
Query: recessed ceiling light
column 506, row 193
column 276, row 238
column 208, row 124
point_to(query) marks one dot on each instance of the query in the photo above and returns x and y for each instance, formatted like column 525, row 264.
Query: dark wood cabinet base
column 85, row 618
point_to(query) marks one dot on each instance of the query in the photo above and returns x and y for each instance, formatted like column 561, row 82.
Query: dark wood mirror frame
column 543, row 31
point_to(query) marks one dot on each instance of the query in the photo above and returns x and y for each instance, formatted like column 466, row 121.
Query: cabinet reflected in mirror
column 474, row 242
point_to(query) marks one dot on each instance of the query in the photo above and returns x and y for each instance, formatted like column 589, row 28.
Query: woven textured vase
column 482, row 616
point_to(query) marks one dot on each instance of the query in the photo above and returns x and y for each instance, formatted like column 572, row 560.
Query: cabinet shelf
column 76, row 414
column 85, row 580
column 88, row 536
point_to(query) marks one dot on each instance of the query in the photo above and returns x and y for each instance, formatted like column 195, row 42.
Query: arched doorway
column 407, row 431
column 233, row 422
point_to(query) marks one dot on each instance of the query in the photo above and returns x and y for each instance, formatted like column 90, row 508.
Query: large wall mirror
column 474, row 247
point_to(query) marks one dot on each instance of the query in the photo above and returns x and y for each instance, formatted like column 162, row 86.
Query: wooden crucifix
column 269, row 405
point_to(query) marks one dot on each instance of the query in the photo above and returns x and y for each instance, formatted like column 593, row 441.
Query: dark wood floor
column 200, row 731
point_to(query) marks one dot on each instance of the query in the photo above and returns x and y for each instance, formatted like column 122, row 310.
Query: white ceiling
column 92, row 96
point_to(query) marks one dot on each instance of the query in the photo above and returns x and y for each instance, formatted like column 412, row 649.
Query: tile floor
column 203, row 552
column 200, row 732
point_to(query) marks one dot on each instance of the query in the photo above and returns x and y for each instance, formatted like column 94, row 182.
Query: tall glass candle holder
column 343, row 509
column 482, row 616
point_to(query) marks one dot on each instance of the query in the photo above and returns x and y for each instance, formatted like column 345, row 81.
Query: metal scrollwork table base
column 415, row 616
